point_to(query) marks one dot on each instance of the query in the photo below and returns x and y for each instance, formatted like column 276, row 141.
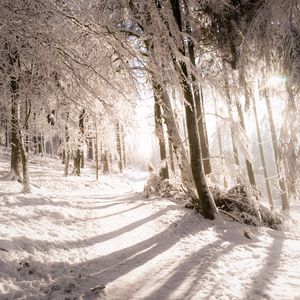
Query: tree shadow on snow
column 108, row 268
column 31, row 244
column 195, row 266
column 267, row 274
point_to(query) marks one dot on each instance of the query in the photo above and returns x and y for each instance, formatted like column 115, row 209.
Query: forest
column 149, row 149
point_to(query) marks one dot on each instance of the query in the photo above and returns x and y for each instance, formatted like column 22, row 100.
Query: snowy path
column 77, row 239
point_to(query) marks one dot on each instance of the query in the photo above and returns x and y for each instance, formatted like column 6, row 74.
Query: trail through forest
column 75, row 238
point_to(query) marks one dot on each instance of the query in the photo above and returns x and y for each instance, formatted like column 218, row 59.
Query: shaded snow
column 75, row 238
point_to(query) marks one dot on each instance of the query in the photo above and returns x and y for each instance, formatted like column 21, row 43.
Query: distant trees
column 50, row 59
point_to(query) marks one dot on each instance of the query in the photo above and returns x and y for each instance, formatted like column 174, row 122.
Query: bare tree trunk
column 172, row 165
column 164, row 171
column 243, row 84
column 41, row 148
column 67, row 149
column 173, row 133
column 207, row 166
column 249, row 165
column 198, row 96
column 281, row 181
column 96, row 148
column 105, row 162
column 82, row 140
column 220, row 144
column 205, row 202
column 26, row 178
column 123, row 145
column 288, row 147
column 67, row 162
column 27, row 110
column 262, row 156
column 202, row 132
column 18, row 149
column 15, row 162
column 77, row 159
column 119, row 147
column 7, row 135
column 82, row 160
column 229, row 102
column 90, row 149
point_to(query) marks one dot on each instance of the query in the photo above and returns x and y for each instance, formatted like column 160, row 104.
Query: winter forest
column 149, row 149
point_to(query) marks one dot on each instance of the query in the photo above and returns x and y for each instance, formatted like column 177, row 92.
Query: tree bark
column 66, row 159
column 205, row 203
column 229, row 102
column 249, row 165
column 77, row 161
column 172, row 165
column 15, row 161
column 179, row 150
column 262, row 155
column 18, row 155
column 96, row 148
column 198, row 96
column 123, row 146
column 119, row 146
column 78, row 157
column 281, row 180
column 164, row 171
column 220, row 144
column 90, row 149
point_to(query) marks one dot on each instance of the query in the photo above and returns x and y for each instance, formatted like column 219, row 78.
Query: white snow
column 75, row 238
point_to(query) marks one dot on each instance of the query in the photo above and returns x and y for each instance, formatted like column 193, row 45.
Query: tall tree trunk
column 243, row 84
column 27, row 110
column 164, row 171
column 205, row 203
column 119, row 146
column 67, row 162
column 82, row 140
column 96, row 148
column 24, row 159
column 90, row 149
column 262, row 155
column 105, row 162
column 229, row 102
column 220, row 144
column 249, row 165
column 15, row 161
column 78, row 157
column 172, row 165
column 179, row 149
column 206, row 153
column 40, row 142
column 281, row 180
column 288, row 147
column 67, row 148
column 77, row 160
column 82, row 159
column 202, row 131
column 123, row 146
column 198, row 96
column 18, row 149
column 7, row 135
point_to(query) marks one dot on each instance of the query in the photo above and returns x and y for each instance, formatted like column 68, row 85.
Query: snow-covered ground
column 75, row 238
